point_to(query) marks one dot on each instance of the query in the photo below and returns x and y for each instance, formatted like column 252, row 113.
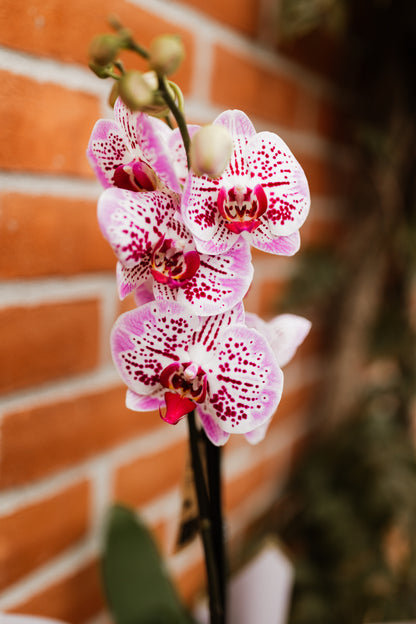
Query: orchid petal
column 177, row 152
column 134, row 222
column 285, row 333
column 237, row 123
column 214, row 433
column 273, row 165
column 140, row 403
column 219, row 284
column 288, row 331
column 107, row 149
column 257, row 435
column 262, row 239
column 144, row 293
column 146, row 340
column 199, row 206
column 205, row 340
column 155, row 149
column 245, row 382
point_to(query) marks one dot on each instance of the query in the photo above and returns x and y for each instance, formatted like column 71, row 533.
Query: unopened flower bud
column 134, row 91
column 211, row 150
column 104, row 49
column 113, row 94
column 166, row 54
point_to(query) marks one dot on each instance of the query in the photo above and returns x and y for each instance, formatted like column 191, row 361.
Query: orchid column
column 181, row 209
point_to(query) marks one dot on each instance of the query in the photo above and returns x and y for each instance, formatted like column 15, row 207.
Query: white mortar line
column 52, row 290
column 55, row 186
column 66, row 390
column 46, row 70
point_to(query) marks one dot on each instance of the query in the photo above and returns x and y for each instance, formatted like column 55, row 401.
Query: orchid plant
column 181, row 209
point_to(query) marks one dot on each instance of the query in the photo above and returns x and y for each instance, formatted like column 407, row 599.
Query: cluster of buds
column 139, row 91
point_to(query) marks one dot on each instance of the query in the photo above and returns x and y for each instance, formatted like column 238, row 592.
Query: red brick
column 239, row 488
column 46, row 438
column 323, row 176
column 271, row 291
column 64, row 30
column 46, row 127
column 292, row 402
column 31, row 536
column 74, row 599
column 239, row 14
column 45, row 342
column 239, row 82
column 142, row 479
column 41, row 235
column 323, row 232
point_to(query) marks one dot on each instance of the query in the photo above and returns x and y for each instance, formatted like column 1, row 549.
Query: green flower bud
column 166, row 54
column 134, row 91
column 211, row 150
column 104, row 49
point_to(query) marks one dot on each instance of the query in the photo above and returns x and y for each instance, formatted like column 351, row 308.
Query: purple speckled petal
column 222, row 241
column 245, row 382
column 236, row 122
column 130, row 279
column 146, row 340
column 287, row 331
column 140, row 403
column 213, row 431
column 199, row 206
column 284, row 333
column 107, row 149
column 154, row 146
column 205, row 340
column 262, row 239
column 144, row 293
column 283, row 180
column 177, row 152
column 134, row 222
column 257, row 435
column 219, row 284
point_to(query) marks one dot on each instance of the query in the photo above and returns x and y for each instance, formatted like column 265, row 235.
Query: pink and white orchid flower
column 262, row 195
column 169, row 357
column 151, row 242
column 132, row 152
column 284, row 334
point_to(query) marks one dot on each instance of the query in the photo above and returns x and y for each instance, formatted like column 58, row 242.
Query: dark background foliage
column 349, row 516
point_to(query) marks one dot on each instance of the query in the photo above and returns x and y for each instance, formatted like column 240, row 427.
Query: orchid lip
column 186, row 385
column 171, row 265
column 135, row 176
column 242, row 207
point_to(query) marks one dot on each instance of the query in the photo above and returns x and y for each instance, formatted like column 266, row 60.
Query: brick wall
column 68, row 446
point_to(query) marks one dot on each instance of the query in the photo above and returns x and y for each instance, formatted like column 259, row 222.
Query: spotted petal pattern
column 284, row 333
column 134, row 224
column 258, row 160
column 244, row 382
column 131, row 137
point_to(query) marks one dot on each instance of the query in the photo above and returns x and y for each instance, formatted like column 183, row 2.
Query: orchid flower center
column 171, row 264
column 186, row 385
column 242, row 207
column 135, row 176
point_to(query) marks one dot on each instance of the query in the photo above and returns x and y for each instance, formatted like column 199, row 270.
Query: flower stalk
column 208, row 528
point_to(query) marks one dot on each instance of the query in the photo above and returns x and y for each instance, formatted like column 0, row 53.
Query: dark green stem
column 179, row 118
column 214, row 591
column 213, row 456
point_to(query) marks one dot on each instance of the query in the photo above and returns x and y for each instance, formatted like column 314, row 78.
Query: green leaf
column 137, row 586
